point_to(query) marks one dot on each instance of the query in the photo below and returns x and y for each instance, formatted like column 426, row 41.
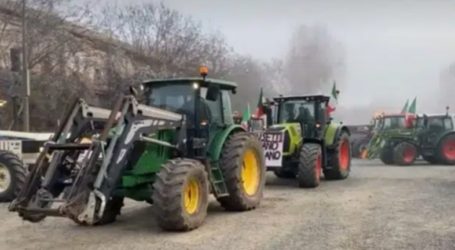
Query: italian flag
column 412, row 111
column 405, row 108
column 333, row 99
column 259, row 111
column 246, row 116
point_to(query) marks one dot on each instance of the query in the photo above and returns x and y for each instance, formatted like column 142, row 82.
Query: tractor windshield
column 172, row 97
column 301, row 111
column 393, row 122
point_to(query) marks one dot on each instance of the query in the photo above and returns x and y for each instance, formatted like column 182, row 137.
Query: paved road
column 377, row 208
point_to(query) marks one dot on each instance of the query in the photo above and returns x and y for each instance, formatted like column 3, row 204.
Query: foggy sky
column 395, row 49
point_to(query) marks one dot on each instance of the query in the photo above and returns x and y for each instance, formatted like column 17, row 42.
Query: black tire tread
column 231, row 162
column 386, row 155
column 335, row 172
column 167, row 195
column 308, row 157
column 440, row 158
column 398, row 154
column 17, row 172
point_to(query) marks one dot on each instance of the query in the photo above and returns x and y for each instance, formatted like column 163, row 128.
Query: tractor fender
column 215, row 146
column 333, row 131
column 444, row 135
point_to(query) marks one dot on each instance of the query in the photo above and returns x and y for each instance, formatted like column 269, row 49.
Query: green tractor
column 432, row 137
column 386, row 125
column 172, row 149
column 304, row 142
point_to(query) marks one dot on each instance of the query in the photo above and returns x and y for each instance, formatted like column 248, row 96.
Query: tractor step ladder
column 218, row 184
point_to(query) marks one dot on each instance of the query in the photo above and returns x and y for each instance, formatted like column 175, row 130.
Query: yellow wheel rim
column 191, row 196
column 250, row 173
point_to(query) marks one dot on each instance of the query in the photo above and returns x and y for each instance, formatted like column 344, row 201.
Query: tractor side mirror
column 213, row 92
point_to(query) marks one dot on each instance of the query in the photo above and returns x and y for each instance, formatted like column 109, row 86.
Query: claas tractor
column 432, row 138
column 304, row 142
column 170, row 146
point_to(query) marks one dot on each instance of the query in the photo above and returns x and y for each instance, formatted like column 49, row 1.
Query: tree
column 52, row 43
column 157, row 42
column 314, row 59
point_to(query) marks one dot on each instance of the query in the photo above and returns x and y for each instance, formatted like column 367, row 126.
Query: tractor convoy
column 401, row 139
column 173, row 144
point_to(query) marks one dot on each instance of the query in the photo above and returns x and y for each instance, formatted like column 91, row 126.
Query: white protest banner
column 272, row 143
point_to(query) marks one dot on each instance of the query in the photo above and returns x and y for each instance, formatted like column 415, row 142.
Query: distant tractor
column 430, row 136
column 304, row 142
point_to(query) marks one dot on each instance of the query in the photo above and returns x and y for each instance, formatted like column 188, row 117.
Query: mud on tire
column 310, row 165
column 340, row 159
column 243, row 166
column 404, row 154
column 12, row 176
column 180, row 195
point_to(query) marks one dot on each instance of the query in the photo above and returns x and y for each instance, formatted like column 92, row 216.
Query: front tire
column 243, row 167
column 310, row 165
column 386, row 155
column 12, row 176
column 180, row 195
column 340, row 159
column 404, row 154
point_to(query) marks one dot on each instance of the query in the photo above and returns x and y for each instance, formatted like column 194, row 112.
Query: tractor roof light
column 204, row 71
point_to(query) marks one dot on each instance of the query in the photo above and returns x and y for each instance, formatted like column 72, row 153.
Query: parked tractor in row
column 303, row 142
column 172, row 147
column 430, row 136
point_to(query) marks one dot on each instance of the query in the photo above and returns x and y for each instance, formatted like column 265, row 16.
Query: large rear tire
column 180, row 195
column 340, row 159
column 445, row 153
column 310, row 165
column 12, row 176
column 243, row 167
column 404, row 154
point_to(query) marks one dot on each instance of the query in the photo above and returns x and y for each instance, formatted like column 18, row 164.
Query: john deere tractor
column 172, row 148
column 305, row 142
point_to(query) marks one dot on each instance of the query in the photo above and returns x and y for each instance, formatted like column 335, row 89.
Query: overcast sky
column 394, row 49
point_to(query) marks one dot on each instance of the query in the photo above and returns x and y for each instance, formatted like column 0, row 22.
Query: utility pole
column 25, row 72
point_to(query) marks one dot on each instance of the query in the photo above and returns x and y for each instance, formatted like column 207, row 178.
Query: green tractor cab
column 304, row 142
column 172, row 149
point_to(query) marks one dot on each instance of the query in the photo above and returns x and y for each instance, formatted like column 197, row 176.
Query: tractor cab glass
column 439, row 123
column 180, row 97
column 300, row 111
column 393, row 122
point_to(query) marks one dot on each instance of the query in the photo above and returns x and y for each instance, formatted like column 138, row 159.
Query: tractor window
column 394, row 122
column 226, row 99
column 420, row 122
column 448, row 124
column 215, row 107
column 172, row 97
column 296, row 111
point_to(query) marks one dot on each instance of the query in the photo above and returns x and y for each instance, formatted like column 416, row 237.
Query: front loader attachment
column 374, row 147
column 82, row 188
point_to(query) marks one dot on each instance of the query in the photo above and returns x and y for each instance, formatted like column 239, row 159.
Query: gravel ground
column 378, row 208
